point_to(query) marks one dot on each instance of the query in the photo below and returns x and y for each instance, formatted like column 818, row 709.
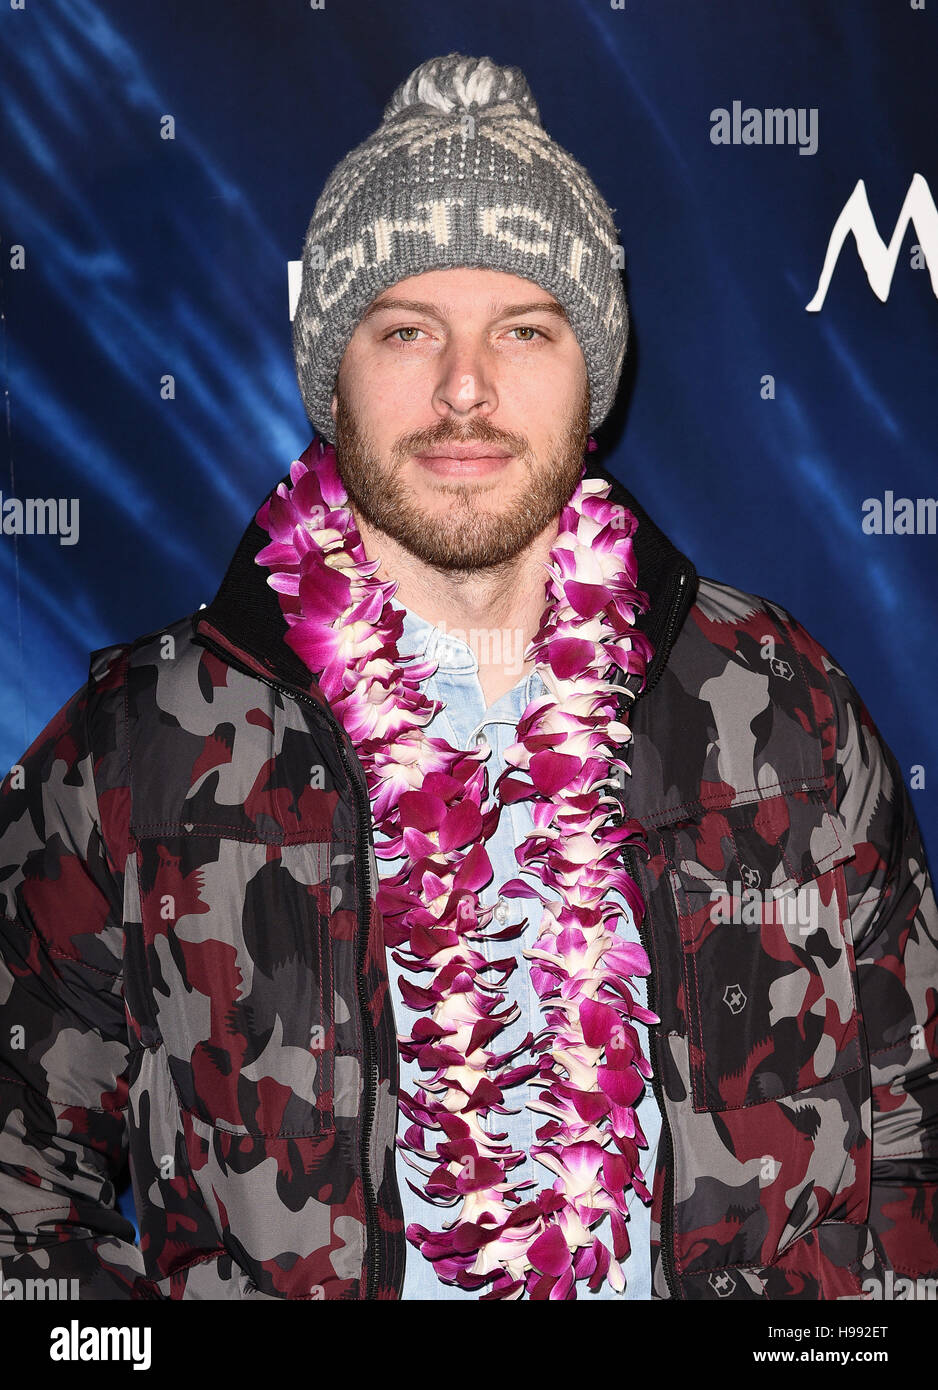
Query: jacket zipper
column 369, row 1041
column 665, row 643
column 667, row 1204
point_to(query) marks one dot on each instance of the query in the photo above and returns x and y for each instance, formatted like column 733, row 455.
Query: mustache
column 480, row 432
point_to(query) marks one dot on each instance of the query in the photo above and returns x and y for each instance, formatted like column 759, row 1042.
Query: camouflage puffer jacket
column 193, row 976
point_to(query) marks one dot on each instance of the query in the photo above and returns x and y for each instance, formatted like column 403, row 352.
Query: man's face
column 447, row 358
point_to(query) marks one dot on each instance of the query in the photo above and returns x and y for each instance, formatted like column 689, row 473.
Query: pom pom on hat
column 456, row 83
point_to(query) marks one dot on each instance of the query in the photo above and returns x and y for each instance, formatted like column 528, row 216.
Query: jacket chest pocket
column 766, row 947
column 239, row 963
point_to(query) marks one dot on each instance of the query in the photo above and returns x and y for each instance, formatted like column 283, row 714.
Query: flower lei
column 427, row 799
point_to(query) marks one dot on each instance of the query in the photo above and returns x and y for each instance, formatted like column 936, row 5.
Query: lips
column 465, row 451
column 464, row 460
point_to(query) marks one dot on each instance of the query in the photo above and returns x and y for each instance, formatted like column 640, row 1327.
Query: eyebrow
column 500, row 311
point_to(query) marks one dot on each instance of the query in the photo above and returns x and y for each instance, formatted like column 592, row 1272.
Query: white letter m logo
column 879, row 260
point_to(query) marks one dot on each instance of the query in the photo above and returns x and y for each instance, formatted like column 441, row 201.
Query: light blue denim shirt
column 465, row 722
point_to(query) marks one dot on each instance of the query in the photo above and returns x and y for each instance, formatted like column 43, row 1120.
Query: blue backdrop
column 127, row 256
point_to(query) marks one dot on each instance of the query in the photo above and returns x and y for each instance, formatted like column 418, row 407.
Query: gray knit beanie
column 459, row 173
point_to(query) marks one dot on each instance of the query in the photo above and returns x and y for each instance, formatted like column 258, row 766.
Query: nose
column 465, row 385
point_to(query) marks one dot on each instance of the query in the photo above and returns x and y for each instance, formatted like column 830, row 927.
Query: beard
column 471, row 532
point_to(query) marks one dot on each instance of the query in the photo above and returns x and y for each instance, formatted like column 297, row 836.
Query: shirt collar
column 454, row 657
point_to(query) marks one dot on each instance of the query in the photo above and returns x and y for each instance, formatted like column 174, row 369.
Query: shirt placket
column 494, row 729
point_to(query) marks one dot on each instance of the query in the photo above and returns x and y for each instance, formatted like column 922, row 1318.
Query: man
column 442, row 643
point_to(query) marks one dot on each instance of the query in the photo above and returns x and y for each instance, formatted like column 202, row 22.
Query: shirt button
column 501, row 911
column 482, row 743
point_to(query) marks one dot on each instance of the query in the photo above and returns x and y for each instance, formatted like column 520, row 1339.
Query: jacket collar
column 245, row 618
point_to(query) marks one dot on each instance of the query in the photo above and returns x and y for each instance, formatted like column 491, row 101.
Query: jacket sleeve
column 63, row 1037
column 895, row 934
